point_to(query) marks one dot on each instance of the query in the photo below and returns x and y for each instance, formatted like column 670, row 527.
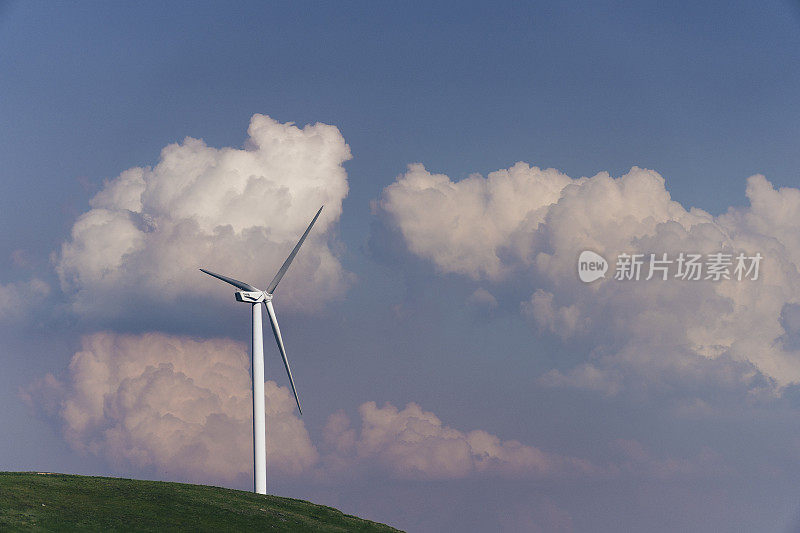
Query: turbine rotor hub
column 252, row 297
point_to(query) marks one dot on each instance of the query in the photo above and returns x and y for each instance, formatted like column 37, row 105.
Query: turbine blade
column 277, row 331
column 277, row 279
column 235, row 282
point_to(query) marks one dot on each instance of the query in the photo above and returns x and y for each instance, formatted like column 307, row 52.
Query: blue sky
column 703, row 95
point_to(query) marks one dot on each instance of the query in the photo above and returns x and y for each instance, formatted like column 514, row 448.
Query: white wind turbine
column 254, row 296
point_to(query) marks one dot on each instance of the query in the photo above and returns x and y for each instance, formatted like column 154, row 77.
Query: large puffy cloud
column 178, row 405
column 530, row 224
column 414, row 444
column 238, row 211
column 466, row 226
column 183, row 407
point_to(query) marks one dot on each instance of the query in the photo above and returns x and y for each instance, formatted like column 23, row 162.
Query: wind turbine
column 256, row 297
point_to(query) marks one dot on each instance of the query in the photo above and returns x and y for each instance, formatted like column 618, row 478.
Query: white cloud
column 528, row 224
column 414, row 444
column 176, row 404
column 238, row 211
column 464, row 227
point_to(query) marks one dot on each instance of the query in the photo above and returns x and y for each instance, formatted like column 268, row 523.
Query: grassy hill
column 58, row 502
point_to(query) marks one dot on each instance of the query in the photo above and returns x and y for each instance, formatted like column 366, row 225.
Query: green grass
column 59, row 502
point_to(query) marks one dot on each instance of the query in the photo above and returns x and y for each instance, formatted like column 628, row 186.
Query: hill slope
column 64, row 502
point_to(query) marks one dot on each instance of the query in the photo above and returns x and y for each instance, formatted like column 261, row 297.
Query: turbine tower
column 249, row 294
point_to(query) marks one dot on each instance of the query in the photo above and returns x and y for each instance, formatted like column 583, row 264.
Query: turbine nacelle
column 252, row 297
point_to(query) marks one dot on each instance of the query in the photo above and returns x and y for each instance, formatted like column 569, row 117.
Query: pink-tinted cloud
column 183, row 407
column 415, row 444
column 179, row 405
column 526, row 224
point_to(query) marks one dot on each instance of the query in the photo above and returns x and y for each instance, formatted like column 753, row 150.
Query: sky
column 455, row 372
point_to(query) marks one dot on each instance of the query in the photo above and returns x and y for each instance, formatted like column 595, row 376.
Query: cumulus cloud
column 529, row 224
column 414, row 444
column 178, row 405
column 183, row 407
column 238, row 211
column 467, row 226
